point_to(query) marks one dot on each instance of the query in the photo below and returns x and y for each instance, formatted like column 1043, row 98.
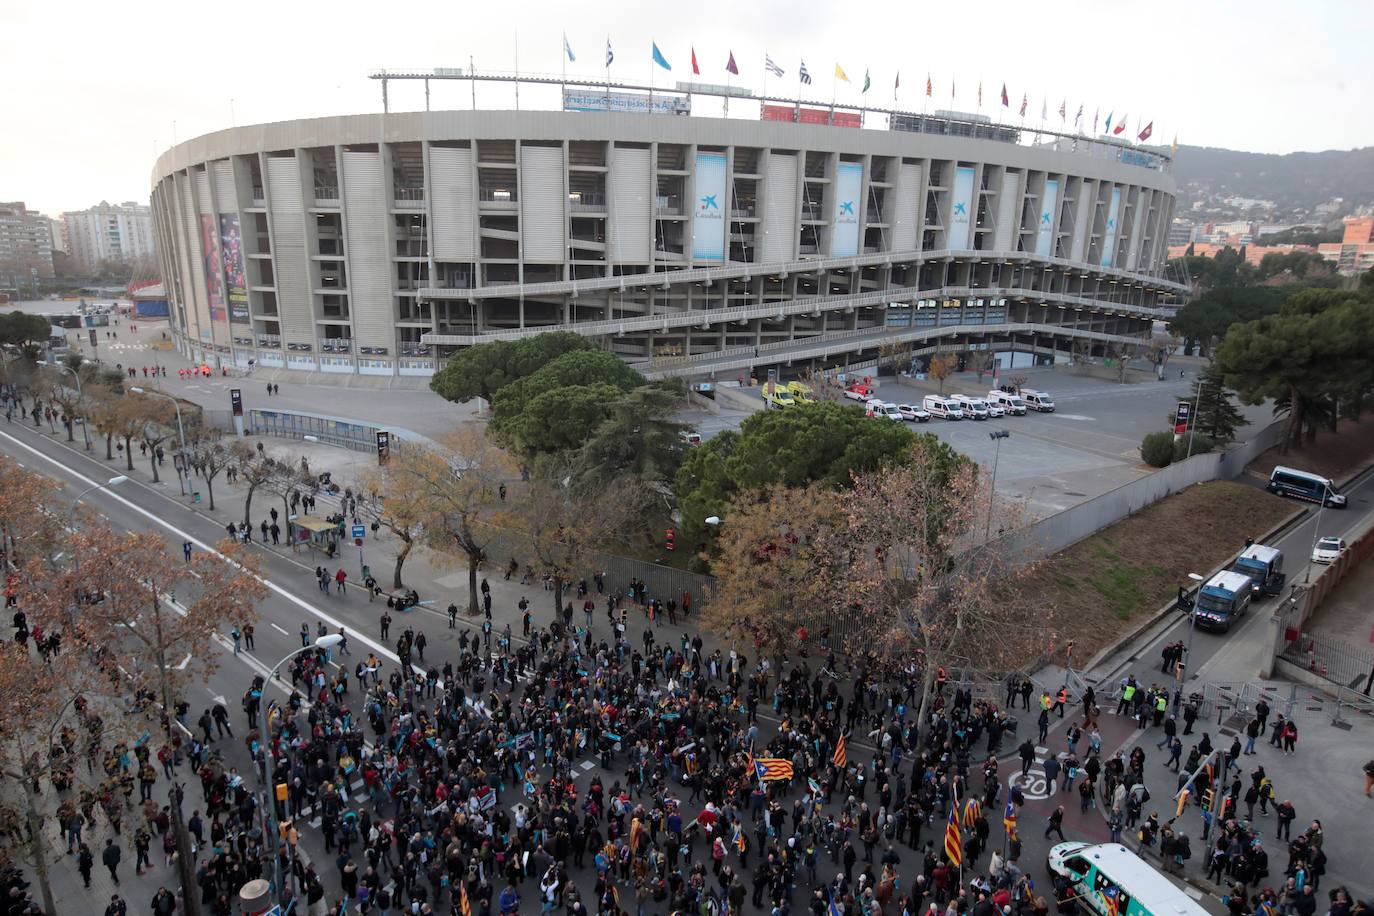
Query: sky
column 94, row 91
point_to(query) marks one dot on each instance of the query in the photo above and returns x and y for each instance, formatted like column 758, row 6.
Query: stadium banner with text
column 708, row 219
column 1044, row 233
column 214, row 275
column 235, row 280
column 844, row 237
column 632, row 102
column 1109, row 238
column 960, row 213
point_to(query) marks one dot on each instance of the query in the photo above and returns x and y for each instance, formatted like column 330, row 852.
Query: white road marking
column 277, row 628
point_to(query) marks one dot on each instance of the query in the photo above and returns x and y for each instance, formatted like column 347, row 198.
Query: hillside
column 1294, row 182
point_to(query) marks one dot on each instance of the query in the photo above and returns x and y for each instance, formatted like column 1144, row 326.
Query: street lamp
column 1316, row 534
column 85, row 425
column 181, row 432
column 1188, row 651
column 326, row 642
column 996, row 436
column 71, row 519
column 712, row 520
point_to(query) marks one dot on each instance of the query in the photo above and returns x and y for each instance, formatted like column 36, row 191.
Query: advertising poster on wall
column 844, row 238
column 961, row 210
column 214, row 273
column 708, row 219
column 1109, row 237
column 235, row 280
column 1044, row 232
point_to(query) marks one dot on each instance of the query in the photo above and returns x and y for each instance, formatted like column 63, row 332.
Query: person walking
column 305, row 635
column 1055, row 823
column 1027, row 752
column 186, row 550
column 110, row 857
column 1369, row 779
column 84, row 862
column 341, row 581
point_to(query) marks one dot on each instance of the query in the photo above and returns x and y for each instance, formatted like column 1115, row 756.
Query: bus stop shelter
column 316, row 533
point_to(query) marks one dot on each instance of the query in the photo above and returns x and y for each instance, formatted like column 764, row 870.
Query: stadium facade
column 379, row 244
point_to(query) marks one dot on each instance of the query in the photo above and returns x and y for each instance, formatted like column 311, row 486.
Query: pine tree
column 1216, row 414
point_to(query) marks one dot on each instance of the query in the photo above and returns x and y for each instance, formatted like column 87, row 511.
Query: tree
column 894, row 354
column 24, row 331
column 773, row 568
column 638, row 437
column 158, row 424
column 484, row 369
column 556, row 419
column 256, row 468
column 1215, row 415
column 210, row 455
column 565, row 521
column 1123, row 353
column 154, row 645
column 456, row 490
column 54, row 383
column 573, row 369
column 704, row 486
column 981, row 362
column 395, row 506
column 825, row 442
column 127, row 420
column 928, row 583
column 942, row 367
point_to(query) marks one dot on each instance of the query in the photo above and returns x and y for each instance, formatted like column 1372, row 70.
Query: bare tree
column 942, row 367
column 210, row 455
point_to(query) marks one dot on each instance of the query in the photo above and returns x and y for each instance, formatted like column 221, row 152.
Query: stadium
column 809, row 237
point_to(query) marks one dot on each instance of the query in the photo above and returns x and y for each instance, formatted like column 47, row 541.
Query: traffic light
column 668, row 539
column 1182, row 801
column 1207, row 795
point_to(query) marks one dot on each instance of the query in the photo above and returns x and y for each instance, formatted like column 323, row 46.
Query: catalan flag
column 840, row 757
column 771, row 769
column 972, row 809
column 1111, row 896
column 954, row 842
column 464, row 904
column 1009, row 819
column 740, row 842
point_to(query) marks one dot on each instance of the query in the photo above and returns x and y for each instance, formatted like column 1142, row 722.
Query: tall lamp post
column 997, row 435
column 1188, row 651
column 71, row 514
column 326, row 642
column 181, row 432
column 1316, row 534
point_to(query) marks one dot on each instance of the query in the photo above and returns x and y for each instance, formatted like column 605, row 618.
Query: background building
column 25, row 247
column 379, row 244
column 1354, row 253
column 120, row 233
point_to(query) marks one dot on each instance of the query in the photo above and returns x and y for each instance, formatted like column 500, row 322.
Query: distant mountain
column 1295, row 182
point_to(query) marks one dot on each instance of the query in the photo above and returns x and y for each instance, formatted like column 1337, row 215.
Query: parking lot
column 1051, row 461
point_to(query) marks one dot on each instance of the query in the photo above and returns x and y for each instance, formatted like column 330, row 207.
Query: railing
column 336, row 345
column 584, row 202
column 1335, row 662
column 410, row 349
column 272, row 341
column 258, row 195
column 672, row 207
column 324, row 193
column 409, row 198
column 737, row 269
column 497, row 195
column 741, row 212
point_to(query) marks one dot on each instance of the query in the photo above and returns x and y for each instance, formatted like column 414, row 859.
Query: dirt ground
column 1349, row 450
column 1107, row 584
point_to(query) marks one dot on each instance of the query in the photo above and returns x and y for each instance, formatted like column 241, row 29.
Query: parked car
column 859, row 393
column 1328, row 550
column 913, row 413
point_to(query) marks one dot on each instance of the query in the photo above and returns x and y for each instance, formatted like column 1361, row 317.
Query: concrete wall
column 1053, row 534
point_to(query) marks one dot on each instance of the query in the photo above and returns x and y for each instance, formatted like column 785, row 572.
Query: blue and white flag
column 567, row 48
column 659, row 58
column 610, row 55
column 803, row 75
column 770, row 66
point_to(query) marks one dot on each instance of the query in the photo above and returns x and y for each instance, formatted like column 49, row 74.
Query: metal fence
column 1342, row 665
column 662, row 582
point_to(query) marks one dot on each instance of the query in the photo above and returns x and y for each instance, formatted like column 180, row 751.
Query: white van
column 1111, row 880
column 944, row 408
column 1010, row 403
column 1038, row 400
column 883, row 409
column 973, row 408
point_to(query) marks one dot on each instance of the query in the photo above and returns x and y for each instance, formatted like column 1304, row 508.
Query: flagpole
column 517, row 69
column 473, row 81
column 834, row 87
column 564, row 56
column 653, row 43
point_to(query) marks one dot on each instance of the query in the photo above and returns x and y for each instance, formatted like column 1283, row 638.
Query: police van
column 1114, row 881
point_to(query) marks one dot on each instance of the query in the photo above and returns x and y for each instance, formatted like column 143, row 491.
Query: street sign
column 236, row 401
column 383, row 446
column 1181, row 418
column 359, row 531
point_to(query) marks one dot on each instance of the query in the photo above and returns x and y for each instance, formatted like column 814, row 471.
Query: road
column 294, row 599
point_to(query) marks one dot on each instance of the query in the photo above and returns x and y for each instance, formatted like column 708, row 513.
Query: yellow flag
column 840, row 74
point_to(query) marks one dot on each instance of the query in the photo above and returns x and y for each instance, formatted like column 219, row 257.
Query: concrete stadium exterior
column 379, row 244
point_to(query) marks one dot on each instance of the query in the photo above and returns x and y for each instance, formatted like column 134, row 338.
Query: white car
column 1328, row 550
column 995, row 409
column 913, row 414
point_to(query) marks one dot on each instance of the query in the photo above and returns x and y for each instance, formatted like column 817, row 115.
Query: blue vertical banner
column 961, row 210
column 844, row 235
column 1044, row 227
column 1109, row 238
column 708, row 219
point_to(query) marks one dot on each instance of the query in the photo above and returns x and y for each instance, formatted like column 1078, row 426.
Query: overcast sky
column 92, row 88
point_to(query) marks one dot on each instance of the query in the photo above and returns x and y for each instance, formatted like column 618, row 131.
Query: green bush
column 1157, row 449
column 1201, row 446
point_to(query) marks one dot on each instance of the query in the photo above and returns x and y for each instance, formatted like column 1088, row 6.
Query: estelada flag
column 769, row 769
column 463, row 903
column 954, row 845
column 840, row 757
column 972, row 809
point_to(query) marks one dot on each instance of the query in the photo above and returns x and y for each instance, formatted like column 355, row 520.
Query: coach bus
column 1302, row 485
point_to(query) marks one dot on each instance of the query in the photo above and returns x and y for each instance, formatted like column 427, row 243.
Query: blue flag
column 567, row 49
column 659, row 58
